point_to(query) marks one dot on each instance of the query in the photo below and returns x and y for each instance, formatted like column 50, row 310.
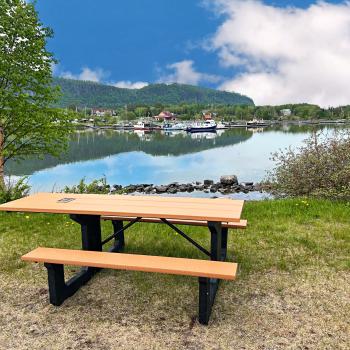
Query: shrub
column 98, row 186
column 319, row 168
column 11, row 190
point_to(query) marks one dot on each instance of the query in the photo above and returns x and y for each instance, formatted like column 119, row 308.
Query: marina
column 161, row 157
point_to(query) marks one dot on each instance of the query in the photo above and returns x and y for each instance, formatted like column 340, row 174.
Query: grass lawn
column 292, row 291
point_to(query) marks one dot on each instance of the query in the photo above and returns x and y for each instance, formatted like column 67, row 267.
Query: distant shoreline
column 229, row 125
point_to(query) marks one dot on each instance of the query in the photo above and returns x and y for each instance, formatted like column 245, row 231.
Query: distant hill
column 90, row 94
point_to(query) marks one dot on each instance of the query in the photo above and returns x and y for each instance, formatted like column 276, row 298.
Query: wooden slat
column 225, row 210
column 239, row 224
column 132, row 262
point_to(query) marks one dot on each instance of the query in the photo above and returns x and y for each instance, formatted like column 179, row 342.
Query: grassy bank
column 292, row 290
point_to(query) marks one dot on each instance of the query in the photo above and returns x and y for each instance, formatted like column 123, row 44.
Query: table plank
column 219, row 209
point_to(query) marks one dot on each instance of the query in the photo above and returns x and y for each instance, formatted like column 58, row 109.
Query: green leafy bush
column 98, row 186
column 11, row 190
column 319, row 168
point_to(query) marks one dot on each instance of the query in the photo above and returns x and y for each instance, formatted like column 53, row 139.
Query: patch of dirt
column 304, row 310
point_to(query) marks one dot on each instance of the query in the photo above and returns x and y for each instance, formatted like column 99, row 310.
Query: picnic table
column 89, row 209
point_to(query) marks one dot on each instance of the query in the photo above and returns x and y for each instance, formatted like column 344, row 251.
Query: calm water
column 159, row 158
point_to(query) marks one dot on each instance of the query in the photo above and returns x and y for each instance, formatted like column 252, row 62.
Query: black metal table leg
column 119, row 240
column 224, row 237
column 91, row 240
column 209, row 286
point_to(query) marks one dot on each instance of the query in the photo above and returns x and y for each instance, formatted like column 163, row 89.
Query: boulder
column 182, row 188
column 208, row 182
column 190, row 188
column 172, row 190
column 161, row 189
column 229, row 180
column 130, row 188
column 148, row 189
column 213, row 189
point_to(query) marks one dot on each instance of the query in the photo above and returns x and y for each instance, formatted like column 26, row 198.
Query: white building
column 286, row 112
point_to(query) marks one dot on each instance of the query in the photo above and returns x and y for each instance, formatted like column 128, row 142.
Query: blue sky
column 214, row 43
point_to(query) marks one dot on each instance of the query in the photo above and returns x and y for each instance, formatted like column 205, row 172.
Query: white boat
column 173, row 127
column 221, row 126
column 256, row 123
column 208, row 125
column 142, row 125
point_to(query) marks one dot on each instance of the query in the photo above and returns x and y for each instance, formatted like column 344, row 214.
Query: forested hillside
column 85, row 93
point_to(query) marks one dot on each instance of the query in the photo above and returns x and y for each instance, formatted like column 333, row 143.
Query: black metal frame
column 60, row 290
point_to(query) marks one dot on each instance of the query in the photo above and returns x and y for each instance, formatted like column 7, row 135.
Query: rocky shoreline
column 228, row 184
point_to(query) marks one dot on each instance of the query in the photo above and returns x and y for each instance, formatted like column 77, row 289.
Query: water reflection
column 161, row 157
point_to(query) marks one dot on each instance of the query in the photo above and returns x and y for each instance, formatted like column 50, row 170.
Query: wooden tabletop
column 218, row 209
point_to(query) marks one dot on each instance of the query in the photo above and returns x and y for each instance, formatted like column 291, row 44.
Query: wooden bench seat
column 241, row 224
column 55, row 259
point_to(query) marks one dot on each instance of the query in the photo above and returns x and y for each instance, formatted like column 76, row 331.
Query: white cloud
column 183, row 72
column 96, row 75
column 285, row 54
column 129, row 84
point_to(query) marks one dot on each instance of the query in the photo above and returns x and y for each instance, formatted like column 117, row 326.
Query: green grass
column 282, row 234
column 292, row 289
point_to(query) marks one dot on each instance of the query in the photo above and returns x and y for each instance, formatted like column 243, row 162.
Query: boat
column 141, row 125
column 173, row 127
column 206, row 126
column 256, row 123
column 221, row 126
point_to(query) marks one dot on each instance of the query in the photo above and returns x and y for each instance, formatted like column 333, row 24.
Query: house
column 165, row 116
column 101, row 112
column 286, row 112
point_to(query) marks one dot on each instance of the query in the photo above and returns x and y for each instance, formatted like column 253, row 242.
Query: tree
column 28, row 123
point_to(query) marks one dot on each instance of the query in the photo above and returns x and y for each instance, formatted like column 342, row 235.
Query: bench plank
column 223, row 210
column 239, row 224
column 146, row 263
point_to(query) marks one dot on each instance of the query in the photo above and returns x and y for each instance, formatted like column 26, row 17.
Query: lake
column 128, row 157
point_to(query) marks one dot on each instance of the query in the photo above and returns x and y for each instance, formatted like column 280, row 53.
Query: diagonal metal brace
column 115, row 234
column 203, row 250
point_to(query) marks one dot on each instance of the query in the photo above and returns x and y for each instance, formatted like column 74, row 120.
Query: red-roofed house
column 166, row 116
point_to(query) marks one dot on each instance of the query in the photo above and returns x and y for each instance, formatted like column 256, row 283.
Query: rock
column 145, row 185
column 198, row 183
column 139, row 189
column 161, row 189
column 190, row 188
column 208, row 182
column 229, row 180
column 148, row 189
column 172, row 190
column 246, row 188
column 247, row 183
column 199, row 187
column 213, row 189
column 182, row 188
column 224, row 190
column 130, row 188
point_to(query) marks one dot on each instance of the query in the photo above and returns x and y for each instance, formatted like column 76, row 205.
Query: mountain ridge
column 91, row 94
